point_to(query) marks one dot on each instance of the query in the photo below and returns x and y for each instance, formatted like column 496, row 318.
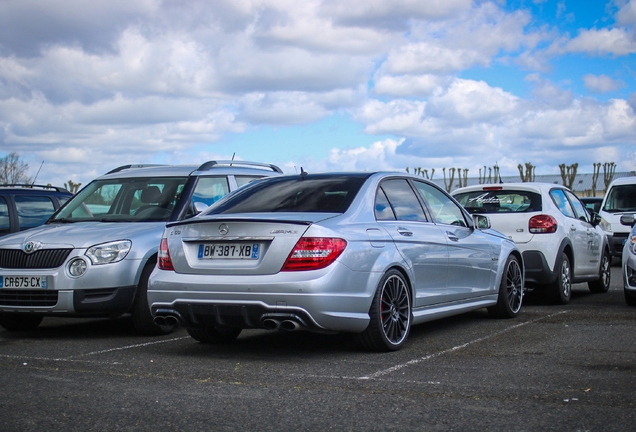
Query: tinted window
column 558, row 196
column 4, row 216
column 443, row 209
column 403, row 200
column 500, row 201
column 383, row 210
column 33, row 210
column 312, row 193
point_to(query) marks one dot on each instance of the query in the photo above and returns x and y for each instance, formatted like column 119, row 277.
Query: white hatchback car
column 562, row 242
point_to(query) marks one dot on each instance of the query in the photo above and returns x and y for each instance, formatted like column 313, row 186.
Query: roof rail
column 31, row 186
column 211, row 164
column 123, row 167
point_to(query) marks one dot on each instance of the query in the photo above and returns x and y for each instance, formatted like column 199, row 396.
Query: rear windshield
column 621, row 199
column 312, row 193
column 500, row 201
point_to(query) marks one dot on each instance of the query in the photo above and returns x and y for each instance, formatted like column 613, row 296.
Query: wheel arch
column 565, row 248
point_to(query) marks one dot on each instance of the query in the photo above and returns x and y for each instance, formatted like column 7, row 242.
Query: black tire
column 19, row 321
column 391, row 315
column 630, row 297
column 602, row 285
column 215, row 334
column 141, row 315
column 510, row 291
column 562, row 288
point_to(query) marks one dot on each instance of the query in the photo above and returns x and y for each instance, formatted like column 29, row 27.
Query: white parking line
column 73, row 357
column 129, row 347
column 455, row 348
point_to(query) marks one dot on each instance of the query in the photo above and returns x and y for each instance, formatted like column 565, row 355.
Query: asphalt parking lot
column 565, row 368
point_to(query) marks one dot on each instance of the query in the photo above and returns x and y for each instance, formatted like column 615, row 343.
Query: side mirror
column 628, row 220
column 481, row 221
column 199, row 207
column 595, row 219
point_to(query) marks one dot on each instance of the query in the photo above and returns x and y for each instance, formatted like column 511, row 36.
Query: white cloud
column 601, row 83
column 626, row 16
column 85, row 85
column 614, row 41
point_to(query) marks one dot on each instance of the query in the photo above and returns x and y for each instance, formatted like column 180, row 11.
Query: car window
column 132, row 199
column 309, row 193
column 621, row 198
column 210, row 189
column 403, row 200
column 243, row 180
column 558, row 196
column 500, row 201
column 383, row 210
column 443, row 209
column 4, row 216
column 33, row 210
column 579, row 208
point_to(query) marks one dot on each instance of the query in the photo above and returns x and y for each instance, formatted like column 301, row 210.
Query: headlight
column 606, row 226
column 107, row 253
column 631, row 244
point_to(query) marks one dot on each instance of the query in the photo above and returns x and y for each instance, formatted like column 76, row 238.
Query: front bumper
column 106, row 289
column 616, row 242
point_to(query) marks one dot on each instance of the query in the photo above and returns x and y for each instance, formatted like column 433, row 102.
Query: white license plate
column 27, row 282
column 229, row 251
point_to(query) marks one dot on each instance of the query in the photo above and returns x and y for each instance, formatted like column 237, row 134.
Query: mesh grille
column 28, row 298
column 41, row 259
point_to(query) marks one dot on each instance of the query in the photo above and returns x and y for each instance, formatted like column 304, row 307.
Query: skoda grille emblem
column 223, row 229
column 30, row 247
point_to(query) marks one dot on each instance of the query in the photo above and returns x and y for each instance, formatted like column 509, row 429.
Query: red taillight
column 164, row 261
column 313, row 253
column 542, row 224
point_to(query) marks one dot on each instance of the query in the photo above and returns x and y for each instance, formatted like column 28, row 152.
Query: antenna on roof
column 233, row 154
column 37, row 174
column 303, row 173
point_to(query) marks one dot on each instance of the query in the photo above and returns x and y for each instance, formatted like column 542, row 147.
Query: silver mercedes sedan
column 366, row 253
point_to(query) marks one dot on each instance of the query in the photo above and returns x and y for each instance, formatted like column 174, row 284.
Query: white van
column 620, row 199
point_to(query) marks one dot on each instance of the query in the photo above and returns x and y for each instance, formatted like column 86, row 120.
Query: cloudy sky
column 88, row 85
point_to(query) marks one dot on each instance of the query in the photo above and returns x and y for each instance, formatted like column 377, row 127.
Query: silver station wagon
column 366, row 253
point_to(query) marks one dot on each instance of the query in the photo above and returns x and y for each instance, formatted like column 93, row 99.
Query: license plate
column 229, row 251
column 23, row 282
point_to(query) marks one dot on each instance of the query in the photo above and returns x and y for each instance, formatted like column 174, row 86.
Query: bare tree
column 596, row 171
column 529, row 172
column 72, row 186
column 568, row 174
column 422, row 172
column 488, row 178
column 13, row 170
column 609, row 168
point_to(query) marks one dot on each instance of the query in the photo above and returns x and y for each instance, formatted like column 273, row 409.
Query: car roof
column 20, row 188
column 623, row 181
column 528, row 186
column 222, row 167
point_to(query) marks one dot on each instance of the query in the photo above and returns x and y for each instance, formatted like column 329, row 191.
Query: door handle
column 405, row 232
column 451, row 236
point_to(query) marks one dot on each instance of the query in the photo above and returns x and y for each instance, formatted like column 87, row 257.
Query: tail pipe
column 168, row 317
